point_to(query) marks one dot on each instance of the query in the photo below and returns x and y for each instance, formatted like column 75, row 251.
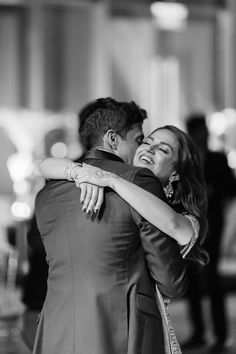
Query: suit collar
column 101, row 155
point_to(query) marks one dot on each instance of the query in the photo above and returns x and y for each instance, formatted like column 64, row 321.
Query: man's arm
column 165, row 262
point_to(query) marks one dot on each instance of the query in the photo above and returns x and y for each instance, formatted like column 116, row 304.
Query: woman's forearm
column 154, row 210
column 53, row 168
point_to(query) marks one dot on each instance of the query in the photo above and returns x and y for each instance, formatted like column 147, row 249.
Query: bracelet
column 69, row 173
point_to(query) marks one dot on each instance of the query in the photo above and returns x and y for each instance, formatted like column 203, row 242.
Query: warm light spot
column 21, row 210
column 169, row 15
column 217, row 123
column 20, row 166
column 59, row 150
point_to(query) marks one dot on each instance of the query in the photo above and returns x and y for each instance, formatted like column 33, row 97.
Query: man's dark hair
column 97, row 117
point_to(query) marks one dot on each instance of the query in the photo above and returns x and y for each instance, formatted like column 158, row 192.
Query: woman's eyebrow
column 160, row 143
column 149, row 137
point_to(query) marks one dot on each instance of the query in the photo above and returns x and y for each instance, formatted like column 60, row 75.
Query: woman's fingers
column 99, row 199
column 83, row 191
column 93, row 199
column 87, row 195
column 91, row 196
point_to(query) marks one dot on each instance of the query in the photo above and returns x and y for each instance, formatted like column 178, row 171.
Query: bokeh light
column 21, row 210
column 59, row 150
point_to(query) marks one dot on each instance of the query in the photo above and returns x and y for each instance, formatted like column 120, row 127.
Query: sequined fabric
column 171, row 342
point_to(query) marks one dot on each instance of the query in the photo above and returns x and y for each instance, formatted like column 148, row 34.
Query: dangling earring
column 168, row 189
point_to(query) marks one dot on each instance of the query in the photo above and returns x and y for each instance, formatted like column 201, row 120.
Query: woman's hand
column 92, row 180
column 91, row 196
column 93, row 175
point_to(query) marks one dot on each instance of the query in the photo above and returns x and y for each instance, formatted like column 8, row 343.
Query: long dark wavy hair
column 190, row 194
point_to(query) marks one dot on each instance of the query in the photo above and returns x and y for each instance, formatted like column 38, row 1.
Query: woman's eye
column 165, row 151
column 145, row 143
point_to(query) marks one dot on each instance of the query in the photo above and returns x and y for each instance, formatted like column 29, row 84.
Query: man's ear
column 110, row 139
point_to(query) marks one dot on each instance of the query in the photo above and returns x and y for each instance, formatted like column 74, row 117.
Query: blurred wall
column 132, row 44
column 10, row 57
column 136, row 42
column 58, row 55
column 50, row 55
column 194, row 49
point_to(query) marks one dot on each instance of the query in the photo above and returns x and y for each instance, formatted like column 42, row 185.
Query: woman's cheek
column 136, row 160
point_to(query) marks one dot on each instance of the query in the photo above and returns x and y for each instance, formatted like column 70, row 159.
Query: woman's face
column 158, row 153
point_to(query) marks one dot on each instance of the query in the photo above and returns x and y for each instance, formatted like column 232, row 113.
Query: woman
column 171, row 155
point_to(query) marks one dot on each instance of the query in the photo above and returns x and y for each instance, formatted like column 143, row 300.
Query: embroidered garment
column 171, row 342
column 196, row 227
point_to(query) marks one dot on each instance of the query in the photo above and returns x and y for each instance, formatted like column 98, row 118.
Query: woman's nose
column 150, row 149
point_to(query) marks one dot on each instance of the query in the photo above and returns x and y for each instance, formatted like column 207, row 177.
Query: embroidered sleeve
column 196, row 227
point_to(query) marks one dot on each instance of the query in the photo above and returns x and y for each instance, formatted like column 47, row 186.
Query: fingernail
column 88, row 211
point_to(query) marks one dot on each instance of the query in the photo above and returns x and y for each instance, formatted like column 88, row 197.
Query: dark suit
column 100, row 297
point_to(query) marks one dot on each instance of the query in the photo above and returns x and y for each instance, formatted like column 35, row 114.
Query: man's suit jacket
column 102, row 269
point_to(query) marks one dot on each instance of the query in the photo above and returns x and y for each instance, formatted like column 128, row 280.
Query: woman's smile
column 146, row 159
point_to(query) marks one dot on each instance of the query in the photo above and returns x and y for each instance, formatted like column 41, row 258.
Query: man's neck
column 104, row 149
column 101, row 153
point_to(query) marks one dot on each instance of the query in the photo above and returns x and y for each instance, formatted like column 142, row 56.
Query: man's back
column 100, row 296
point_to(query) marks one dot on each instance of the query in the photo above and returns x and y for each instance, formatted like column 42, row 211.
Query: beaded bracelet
column 70, row 170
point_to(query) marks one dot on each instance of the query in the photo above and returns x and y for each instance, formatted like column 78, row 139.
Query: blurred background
column 174, row 59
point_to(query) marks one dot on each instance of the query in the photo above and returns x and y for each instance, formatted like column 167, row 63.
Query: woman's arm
column 153, row 209
column 53, row 168
column 58, row 168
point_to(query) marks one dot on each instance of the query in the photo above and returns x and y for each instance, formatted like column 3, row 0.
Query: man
column 102, row 268
column 221, row 185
